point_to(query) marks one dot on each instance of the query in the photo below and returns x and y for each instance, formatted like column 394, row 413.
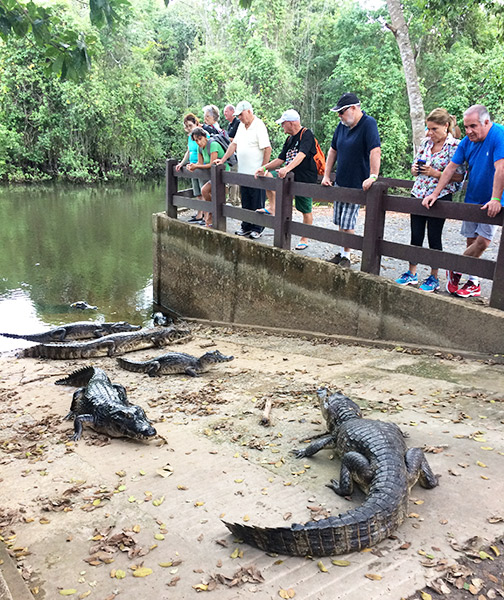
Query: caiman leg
column 419, row 469
column 191, row 372
column 352, row 464
column 325, row 441
column 152, row 369
column 78, row 425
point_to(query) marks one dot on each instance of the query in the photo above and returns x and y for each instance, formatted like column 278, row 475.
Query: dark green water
column 61, row 244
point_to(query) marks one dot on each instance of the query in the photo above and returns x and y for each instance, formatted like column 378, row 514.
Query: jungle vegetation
column 116, row 111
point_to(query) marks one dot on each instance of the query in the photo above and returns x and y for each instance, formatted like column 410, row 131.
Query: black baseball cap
column 345, row 101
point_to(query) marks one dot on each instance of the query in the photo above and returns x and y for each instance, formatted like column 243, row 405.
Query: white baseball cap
column 241, row 106
column 289, row 115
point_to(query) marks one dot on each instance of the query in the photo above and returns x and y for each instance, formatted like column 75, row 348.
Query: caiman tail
column 355, row 530
column 131, row 365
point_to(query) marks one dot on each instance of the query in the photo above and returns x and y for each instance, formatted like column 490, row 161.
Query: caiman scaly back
column 373, row 455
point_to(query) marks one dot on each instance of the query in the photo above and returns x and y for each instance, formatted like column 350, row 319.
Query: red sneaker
column 469, row 289
column 452, row 282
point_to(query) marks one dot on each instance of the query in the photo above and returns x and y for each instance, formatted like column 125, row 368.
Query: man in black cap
column 355, row 148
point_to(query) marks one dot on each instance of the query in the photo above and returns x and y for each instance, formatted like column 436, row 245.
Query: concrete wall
column 220, row 277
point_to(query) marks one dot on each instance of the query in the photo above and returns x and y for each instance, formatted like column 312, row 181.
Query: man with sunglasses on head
column 355, row 148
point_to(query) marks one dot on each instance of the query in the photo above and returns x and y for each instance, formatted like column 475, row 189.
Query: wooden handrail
column 377, row 201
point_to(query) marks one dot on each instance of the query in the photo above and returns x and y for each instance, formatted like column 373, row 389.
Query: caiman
column 375, row 456
column 74, row 331
column 109, row 345
column 175, row 362
column 104, row 406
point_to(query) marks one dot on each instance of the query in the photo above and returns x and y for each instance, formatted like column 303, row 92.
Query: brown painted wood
column 171, row 188
column 373, row 229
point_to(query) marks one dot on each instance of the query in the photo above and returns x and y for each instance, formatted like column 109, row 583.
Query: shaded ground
column 104, row 518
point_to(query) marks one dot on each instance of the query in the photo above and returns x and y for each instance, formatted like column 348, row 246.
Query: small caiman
column 74, row 331
column 108, row 345
column 375, row 456
column 104, row 406
column 175, row 362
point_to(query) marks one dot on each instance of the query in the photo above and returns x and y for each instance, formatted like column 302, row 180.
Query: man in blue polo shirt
column 483, row 150
column 355, row 148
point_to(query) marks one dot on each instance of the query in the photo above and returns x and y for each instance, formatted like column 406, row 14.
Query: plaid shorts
column 345, row 215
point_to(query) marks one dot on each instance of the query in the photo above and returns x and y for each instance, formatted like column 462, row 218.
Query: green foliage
column 156, row 64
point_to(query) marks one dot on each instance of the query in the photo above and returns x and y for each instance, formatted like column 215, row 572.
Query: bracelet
column 375, row 177
column 265, row 169
column 495, row 198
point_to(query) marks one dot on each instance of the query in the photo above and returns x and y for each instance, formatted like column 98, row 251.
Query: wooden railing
column 377, row 201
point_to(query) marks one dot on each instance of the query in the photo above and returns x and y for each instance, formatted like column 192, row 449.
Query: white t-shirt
column 250, row 145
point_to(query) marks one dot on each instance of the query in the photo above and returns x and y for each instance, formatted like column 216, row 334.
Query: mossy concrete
column 212, row 275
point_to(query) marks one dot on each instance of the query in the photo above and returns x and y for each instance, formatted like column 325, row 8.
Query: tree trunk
column 400, row 30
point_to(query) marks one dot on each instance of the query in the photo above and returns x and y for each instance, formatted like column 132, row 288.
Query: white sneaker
column 255, row 235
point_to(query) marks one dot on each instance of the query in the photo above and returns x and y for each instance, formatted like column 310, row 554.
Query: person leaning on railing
column 434, row 154
column 483, row 150
column 208, row 152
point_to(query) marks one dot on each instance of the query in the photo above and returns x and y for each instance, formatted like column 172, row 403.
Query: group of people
column 440, row 166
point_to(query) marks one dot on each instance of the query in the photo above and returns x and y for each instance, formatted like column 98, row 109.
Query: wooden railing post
column 283, row 212
column 497, row 294
column 373, row 228
column 171, row 188
column 218, row 197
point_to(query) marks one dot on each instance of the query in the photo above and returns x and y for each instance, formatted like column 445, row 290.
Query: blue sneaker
column 431, row 284
column 407, row 279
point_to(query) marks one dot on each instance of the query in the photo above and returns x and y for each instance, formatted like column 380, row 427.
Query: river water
column 61, row 244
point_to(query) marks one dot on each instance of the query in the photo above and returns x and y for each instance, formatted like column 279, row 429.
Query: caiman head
column 337, row 408
column 215, row 357
column 128, row 421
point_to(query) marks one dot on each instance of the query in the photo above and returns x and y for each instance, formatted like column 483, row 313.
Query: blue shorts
column 472, row 230
column 345, row 215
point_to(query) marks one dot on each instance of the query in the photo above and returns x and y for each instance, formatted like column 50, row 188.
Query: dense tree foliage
column 159, row 62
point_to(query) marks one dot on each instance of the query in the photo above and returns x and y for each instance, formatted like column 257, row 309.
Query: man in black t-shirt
column 297, row 155
column 233, row 121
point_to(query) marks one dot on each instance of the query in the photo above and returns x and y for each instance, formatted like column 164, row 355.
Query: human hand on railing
column 494, row 207
column 326, row 180
column 192, row 166
column 282, row 172
column 179, row 166
column 429, row 200
column 217, row 161
column 367, row 183
column 259, row 172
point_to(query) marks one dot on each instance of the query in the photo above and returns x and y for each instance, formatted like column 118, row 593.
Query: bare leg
column 476, row 246
column 307, row 220
column 206, row 192
column 347, row 231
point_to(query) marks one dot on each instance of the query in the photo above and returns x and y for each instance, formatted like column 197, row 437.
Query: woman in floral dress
column 434, row 154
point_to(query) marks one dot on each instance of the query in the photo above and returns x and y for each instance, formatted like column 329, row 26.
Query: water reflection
column 62, row 244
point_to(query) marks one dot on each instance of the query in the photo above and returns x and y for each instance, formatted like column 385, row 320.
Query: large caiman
column 172, row 363
column 74, row 331
column 109, row 345
column 375, row 456
column 104, row 406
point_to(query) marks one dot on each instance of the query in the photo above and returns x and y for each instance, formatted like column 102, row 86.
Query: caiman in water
column 109, row 345
column 74, row 331
column 175, row 362
column 104, row 406
column 375, row 456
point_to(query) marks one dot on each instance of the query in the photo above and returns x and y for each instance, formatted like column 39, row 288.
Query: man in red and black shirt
column 297, row 156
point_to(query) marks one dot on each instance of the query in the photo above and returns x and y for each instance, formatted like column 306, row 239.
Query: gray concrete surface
column 220, row 277
column 219, row 462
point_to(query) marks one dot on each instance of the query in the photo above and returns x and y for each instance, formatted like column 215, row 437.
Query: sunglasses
column 343, row 111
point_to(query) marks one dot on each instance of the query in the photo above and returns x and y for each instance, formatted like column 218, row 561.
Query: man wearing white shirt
column 253, row 150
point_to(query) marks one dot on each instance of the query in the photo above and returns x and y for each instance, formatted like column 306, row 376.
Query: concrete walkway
column 104, row 518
